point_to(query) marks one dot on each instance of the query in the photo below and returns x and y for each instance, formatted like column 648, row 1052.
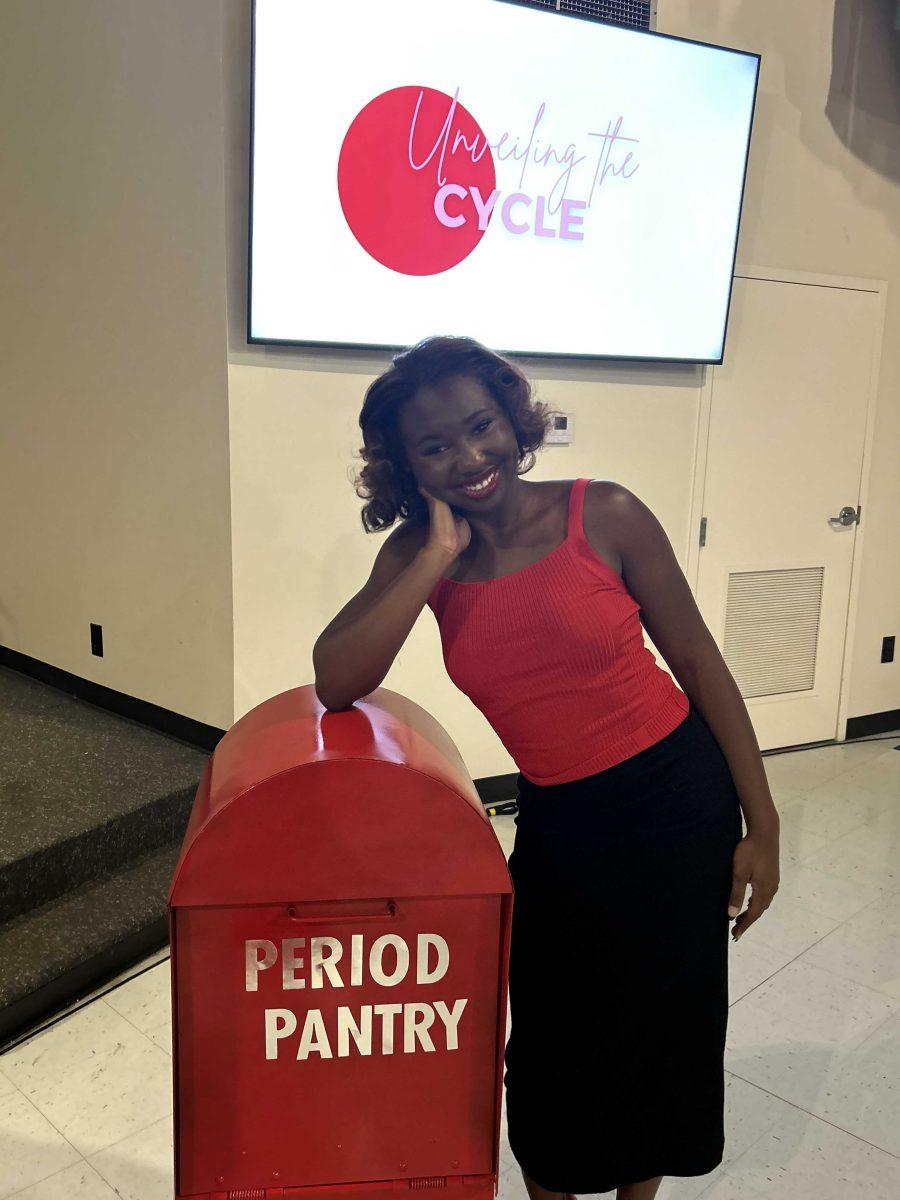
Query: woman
column 629, row 855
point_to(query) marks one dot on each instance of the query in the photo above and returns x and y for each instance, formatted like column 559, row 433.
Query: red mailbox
column 339, row 919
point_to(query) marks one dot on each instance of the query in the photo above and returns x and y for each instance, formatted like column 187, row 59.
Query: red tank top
column 554, row 657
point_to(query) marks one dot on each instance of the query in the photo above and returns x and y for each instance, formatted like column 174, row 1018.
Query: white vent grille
column 772, row 629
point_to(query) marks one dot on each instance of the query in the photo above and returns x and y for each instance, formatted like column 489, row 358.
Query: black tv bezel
column 524, row 354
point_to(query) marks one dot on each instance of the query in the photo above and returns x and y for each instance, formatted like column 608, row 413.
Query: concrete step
column 66, row 948
column 82, row 792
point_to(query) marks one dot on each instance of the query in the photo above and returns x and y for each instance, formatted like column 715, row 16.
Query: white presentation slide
column 544, row 183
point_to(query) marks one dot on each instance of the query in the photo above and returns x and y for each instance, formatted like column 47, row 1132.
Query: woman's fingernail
column 732, row 911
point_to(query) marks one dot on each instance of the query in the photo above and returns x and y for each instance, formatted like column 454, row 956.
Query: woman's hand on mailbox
column 447, row 532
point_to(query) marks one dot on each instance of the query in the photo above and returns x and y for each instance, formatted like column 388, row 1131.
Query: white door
column 787, row 429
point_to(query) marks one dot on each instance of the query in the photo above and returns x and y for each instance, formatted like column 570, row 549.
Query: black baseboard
column 883, row 722
column 195, row 733
column 496, row 789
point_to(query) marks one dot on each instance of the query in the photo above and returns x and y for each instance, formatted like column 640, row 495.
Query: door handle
column 847, row 516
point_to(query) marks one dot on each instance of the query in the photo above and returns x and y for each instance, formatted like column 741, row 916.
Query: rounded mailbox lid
column 300, row 803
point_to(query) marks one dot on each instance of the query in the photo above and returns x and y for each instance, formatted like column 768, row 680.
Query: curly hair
column 386, row 481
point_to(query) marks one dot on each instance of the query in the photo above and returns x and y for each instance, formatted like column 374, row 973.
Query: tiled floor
column 813, row 1057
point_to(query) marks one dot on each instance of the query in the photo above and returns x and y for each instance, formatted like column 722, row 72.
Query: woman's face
column 455, row 432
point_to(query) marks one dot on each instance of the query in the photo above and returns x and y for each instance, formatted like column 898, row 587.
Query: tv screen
column 545, row 183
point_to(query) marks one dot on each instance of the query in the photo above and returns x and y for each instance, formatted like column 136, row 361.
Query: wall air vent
column 772, row 629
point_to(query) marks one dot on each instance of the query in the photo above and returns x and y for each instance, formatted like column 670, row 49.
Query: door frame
column 701, row 451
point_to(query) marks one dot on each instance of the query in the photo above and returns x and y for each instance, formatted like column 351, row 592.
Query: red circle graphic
column 389, row 204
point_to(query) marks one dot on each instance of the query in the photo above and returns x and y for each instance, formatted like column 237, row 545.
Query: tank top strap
column 576, row 509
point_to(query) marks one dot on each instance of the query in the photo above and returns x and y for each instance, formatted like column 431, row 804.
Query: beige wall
column 300, row 550
column 114, row 472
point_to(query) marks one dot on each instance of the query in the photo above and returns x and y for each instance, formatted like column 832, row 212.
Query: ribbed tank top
column 553, row 655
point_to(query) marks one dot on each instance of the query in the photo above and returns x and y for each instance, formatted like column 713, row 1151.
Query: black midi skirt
column 618, row 972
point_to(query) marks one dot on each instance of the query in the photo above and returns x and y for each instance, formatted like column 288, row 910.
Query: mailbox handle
column 387, row 913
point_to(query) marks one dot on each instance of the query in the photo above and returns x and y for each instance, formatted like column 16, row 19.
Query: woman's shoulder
column 555, row 496
column 601, row 487
column 599, row 494
column 617, row 523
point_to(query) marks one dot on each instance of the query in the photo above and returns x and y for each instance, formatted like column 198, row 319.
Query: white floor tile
column 833, row 1011
column 808, row 1159
column 145, row 1000
column 786, row 927
column 94, row 1077
column 78, row 1182
column 888, row 822
column 511, row 1186
column 776, row 1056
column 866, row 855
column 31, row 1148
column 800, row 843
column 92, row 1030
column 840, row 801
column 750, row 1112
column 726, row 1187
column 806, row 768
column 751, row 962
column 878, row 774
column 162, row 1036
column 826, row 812
column 823, row 892
column 866, row 948
column 861, row 1093
column 850, row 1083
column 141, row 1166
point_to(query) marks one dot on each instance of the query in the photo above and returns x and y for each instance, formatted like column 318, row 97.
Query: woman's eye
column 480, row 425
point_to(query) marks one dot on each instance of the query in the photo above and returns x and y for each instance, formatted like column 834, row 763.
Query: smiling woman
column 625, row 792
column 493, row 411
column 469, row 440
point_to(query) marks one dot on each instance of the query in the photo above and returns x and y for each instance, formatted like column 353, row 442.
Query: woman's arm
column 355, row 651
column 671, row 617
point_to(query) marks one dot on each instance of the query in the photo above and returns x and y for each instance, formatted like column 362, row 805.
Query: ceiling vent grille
column 613, row 12
column 772, row 629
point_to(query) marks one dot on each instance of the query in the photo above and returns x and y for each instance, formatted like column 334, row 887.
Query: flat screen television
column 543, row 182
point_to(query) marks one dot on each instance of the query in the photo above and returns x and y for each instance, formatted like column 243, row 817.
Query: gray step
column 55, row 954
column 82, row 791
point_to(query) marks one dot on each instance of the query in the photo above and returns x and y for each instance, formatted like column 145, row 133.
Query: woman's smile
column 485, row 486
